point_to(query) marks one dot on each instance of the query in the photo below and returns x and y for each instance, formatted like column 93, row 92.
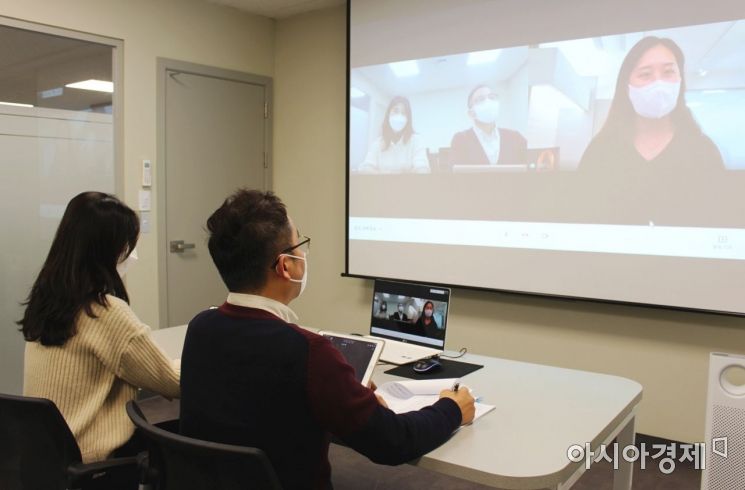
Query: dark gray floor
column 350, row 471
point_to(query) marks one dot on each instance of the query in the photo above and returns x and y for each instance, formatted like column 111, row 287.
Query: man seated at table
column 485, row 143
column 250, row 376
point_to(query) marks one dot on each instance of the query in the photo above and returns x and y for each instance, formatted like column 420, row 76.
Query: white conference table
column 541, row 411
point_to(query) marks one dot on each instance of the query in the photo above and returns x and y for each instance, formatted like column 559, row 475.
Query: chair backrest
column 36, row 445
column 189, row 464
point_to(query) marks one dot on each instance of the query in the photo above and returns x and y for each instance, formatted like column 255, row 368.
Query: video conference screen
column 414, row 313
column 550, row 147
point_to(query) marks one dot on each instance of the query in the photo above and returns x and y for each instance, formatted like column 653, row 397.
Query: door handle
column 178, row 246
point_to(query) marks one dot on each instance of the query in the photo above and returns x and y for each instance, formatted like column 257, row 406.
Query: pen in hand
column 455, row 387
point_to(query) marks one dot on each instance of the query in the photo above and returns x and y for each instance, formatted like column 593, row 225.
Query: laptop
column 399, row 317
column 361, row 353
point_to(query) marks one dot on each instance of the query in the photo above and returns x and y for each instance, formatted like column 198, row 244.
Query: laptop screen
column 416, row 313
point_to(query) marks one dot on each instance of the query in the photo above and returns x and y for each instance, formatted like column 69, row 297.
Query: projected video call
column 554, row 106
column 410, row 315
column 596, row 159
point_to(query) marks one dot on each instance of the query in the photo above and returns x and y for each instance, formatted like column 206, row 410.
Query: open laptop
column 398, row 316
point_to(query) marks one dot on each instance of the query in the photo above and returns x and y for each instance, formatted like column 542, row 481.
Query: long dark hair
column 387, row 132
column 619, row 125
column 96, row 232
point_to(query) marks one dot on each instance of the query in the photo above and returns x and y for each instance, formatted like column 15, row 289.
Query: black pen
column 456, row 385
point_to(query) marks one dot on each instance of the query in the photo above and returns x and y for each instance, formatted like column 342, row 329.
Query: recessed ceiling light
column 403, row 69
column 94, row 85
column 482, row 57
column 16, row 104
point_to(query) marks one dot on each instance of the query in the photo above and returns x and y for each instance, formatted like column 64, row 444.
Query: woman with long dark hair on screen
column 86, row 350
column 427, row 322
column 649, row 125
column 399, row 148
column 650, row 162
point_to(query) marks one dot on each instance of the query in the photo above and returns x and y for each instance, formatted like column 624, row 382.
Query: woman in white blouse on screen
column 398, row 149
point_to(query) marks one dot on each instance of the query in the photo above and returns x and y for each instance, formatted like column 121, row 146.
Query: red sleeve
column 338, row 401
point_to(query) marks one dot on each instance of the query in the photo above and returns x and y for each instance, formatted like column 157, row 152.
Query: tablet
column 361, row 353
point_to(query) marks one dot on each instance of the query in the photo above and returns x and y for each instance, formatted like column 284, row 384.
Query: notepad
column 407, row 396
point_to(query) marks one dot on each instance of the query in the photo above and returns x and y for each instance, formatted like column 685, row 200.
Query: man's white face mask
column 304, row 281
column 486, row 111
column 123, row 266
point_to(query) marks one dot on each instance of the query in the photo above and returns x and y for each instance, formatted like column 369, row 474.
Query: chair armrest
column 78, row 472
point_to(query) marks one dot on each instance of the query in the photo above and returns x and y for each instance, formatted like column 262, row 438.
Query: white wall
column 667, row 351
column 187, row 30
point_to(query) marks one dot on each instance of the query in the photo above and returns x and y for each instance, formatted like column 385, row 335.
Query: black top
column 251, row 379
column 430, row 329
column 685, row 185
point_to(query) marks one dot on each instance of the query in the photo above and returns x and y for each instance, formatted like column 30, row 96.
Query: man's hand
column 380, row 398
column 465, row 402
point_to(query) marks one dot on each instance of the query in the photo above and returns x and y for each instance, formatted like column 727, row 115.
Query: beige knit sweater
column 96, row 372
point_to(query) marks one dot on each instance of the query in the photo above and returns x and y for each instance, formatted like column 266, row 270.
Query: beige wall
column 187, row 30
column 666, row 351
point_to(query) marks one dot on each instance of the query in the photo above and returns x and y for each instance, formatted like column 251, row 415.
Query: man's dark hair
column 246, row 234
column 473, row 91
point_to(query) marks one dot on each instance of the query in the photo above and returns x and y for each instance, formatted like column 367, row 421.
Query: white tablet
column 361, row 353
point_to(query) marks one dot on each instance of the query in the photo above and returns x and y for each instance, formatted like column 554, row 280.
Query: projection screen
column 579, row 149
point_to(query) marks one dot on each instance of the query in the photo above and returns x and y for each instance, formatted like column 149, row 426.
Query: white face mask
column 304, row 281
column 486, row 111
column 656, row 100
column 400, row 309
column 428, row 313
column 123, row 266
column 398, row 122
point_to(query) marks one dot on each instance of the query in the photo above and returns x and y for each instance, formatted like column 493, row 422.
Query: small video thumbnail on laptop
column 415, row 313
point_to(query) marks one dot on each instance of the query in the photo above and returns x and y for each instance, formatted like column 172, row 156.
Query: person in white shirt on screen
column 485, row 143
column 400, row 315
column 382, row 310
column 398, row 149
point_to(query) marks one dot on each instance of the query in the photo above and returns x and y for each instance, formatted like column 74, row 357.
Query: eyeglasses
column 303, row 245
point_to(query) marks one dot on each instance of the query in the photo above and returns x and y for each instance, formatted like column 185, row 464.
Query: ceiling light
column 16, row 104
column 403, row 69
column 94, row 85
column 482, row 57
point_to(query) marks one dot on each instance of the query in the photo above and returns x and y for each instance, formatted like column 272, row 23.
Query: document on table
column 406, row 396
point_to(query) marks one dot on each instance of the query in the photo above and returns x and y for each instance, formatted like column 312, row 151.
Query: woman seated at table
column 399, row 148
column 86, row 350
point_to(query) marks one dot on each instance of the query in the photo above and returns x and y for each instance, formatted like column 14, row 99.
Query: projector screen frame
column 507, row 292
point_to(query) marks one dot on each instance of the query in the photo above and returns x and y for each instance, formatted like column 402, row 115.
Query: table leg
column 622, row 476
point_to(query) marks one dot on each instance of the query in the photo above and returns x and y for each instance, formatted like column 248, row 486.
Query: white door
column 215, row 142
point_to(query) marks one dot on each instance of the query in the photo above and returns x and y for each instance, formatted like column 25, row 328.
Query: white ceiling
column 279, row 9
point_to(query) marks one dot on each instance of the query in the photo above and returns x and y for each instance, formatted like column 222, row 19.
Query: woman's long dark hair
column 387, row 132
column 96, row 232
column 619, row 124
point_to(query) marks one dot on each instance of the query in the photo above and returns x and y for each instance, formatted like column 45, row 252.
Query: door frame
column 160, row 186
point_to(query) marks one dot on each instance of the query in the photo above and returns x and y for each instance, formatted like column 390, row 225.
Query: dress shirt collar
column 274, row 307
column 493, row 134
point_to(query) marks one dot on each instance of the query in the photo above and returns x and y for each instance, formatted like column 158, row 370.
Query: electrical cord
column 461, row 353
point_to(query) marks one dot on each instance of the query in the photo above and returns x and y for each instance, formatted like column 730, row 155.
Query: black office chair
column 38, row 451
column 176, row 462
